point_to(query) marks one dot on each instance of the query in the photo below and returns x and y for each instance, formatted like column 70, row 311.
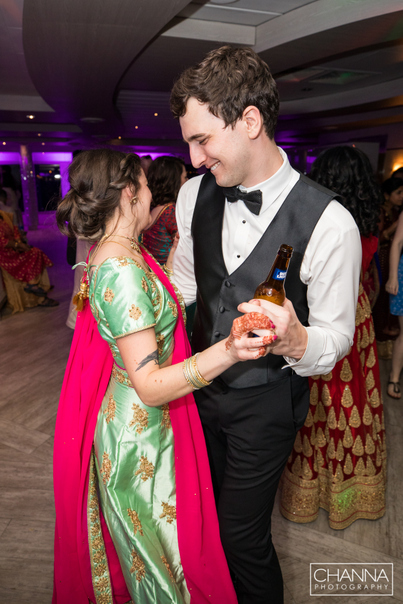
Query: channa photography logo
column 355, row 579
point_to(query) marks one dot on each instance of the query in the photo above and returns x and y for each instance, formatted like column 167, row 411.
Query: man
column 227, row 108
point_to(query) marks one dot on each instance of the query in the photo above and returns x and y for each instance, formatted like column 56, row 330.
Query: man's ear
column 253, row 121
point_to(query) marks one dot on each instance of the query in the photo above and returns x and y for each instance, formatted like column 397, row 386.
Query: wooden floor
column 33, row 354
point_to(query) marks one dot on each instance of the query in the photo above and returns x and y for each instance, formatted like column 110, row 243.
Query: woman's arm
column 392, row 284
column 157, row 385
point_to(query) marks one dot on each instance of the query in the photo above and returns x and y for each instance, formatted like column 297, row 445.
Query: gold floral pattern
column 120, row 377
column 134, row 517
column 170, row 573
column 134, row 312
column 106, row 468
column 314, row 397
column 122, row 261
column 108, row 295
column 166, row 418
column 138, row 567
column 346, row 374
column 144, row 284
column 347, row 397
column 358, row 447
column 342, row 423
column 140, row 418
column 348, row 438
column 355, row 420
column 168, row 512
column 146, row 469
column 110, row 410
column 160, row 343
column 173, row 307
column 326, row 398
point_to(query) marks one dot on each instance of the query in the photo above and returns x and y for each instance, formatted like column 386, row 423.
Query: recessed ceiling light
column 43, row 143
column 120, row 138
column 4, row 143
column 39, row 134
column 136, row 127
column 30, row 117
column 155, row 114
column 92, row 120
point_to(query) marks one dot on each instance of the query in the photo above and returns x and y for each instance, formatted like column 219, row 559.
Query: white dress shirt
column 330, row 267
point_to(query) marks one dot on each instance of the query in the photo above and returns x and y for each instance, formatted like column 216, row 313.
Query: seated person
column 21, row 261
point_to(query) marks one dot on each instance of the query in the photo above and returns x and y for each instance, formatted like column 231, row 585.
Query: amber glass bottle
column 272, row 288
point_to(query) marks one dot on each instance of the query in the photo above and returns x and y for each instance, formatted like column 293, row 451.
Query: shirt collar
column 275, row 185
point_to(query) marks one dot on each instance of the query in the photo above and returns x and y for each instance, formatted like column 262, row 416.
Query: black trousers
column 249, row 434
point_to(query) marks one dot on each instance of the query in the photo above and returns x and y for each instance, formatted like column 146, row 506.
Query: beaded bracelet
column 193, row 375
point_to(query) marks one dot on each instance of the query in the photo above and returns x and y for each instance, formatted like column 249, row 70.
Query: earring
column 134, row 200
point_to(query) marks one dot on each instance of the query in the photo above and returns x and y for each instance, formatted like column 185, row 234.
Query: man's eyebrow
column 194, row 137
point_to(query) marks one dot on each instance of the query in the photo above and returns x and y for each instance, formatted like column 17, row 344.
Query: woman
column 394, row 287
column 135, row 513
column 338, row 461
column 165, row 176
column 386, row 325
column 23, row 262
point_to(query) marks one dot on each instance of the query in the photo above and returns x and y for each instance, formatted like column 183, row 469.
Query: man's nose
column 197, row 156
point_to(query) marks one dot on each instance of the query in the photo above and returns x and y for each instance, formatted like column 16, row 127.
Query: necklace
column 133, row 243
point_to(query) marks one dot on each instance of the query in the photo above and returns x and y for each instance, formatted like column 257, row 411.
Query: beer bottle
column 272, row 288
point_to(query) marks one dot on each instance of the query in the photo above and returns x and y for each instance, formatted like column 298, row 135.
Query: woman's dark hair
column 164, row 179
column 391, row 184
column 348, row 172
column 228, row 80
column 97, row 178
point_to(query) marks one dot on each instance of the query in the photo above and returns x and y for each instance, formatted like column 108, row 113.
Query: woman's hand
column 170, row 260
column 241, row 345
column 392, row 286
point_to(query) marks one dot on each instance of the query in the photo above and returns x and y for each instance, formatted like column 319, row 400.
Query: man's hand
column 292, row 337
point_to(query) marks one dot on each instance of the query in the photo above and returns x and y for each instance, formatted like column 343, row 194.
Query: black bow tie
column 252, row 200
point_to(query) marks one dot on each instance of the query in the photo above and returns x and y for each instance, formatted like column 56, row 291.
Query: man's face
column 223, row 150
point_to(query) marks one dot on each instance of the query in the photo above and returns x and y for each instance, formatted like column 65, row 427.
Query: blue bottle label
column 279, row 275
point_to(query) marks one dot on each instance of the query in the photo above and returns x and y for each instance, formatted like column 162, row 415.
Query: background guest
column 165, row 177
column 338, row 461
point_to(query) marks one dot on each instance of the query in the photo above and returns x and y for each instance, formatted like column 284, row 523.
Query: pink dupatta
column 85, row 382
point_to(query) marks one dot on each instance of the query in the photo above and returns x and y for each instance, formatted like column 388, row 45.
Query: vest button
column 228, row 284
column 222, row 309
column 217, row 334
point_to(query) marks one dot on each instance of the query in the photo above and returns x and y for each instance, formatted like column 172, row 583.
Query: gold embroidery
column 355, row 420
column 359, row 315
column 307, row 449
column 327, row 377
column 346, row 374
column 168, row 512
column 320, row 414
column 358, row 340
column 313, row 436
column 371, row 360
column 370, row 380
column 110, row 409
column 112, row 349
column 309, row 420
column 375, row 398
column 166, row 418
column 342, row 423
column 348, row 438
column 298, row 443
column 362, row 359
column 369, row 445
column 140, row 417
column 339, row 451
column 174, row 308
column 338, row 476
column 327, row 433
column 377, row 424
column 378, row 457
column 306, row 470
column 136, row 521
column 331, row 450
column 347, row 398
column 122, row 261
column 144, row 284
column 160, row 343
column 331, row 419
column 120, row 377
column 314, row 394
column 364, row 337
column 146, row 469
column 320, row 460
column 138, row 566
column 108, row 295
column 367, row 415
column 383, row 421
column 359, row 469
column 371, row 471
column 165, row 561
column 348, row 465
column 135, row 312
column 296, row 466
column 326, row 398
column 320, row 438
column 106, row 468
column 358, row 447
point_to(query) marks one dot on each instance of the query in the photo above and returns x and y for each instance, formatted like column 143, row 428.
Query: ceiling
column 97, row 72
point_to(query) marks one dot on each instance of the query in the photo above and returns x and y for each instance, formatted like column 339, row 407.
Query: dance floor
column 33, row 354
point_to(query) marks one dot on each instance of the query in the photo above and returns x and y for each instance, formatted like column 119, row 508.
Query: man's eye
column 203, row 141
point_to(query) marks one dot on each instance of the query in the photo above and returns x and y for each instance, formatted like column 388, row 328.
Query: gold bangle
column 193, row 375
column 167, row 270
column 188, row 376
column 199, row 376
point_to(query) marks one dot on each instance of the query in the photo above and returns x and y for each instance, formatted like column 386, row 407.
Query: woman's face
column 184, row 176
column 396, row 197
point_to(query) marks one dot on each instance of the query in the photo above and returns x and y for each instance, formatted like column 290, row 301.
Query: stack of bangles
column 193, row 375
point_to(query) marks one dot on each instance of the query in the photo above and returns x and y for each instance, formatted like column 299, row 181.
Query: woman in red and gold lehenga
column 339, row 457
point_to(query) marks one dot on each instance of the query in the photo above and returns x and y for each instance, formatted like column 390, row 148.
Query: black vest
column 218, row 294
